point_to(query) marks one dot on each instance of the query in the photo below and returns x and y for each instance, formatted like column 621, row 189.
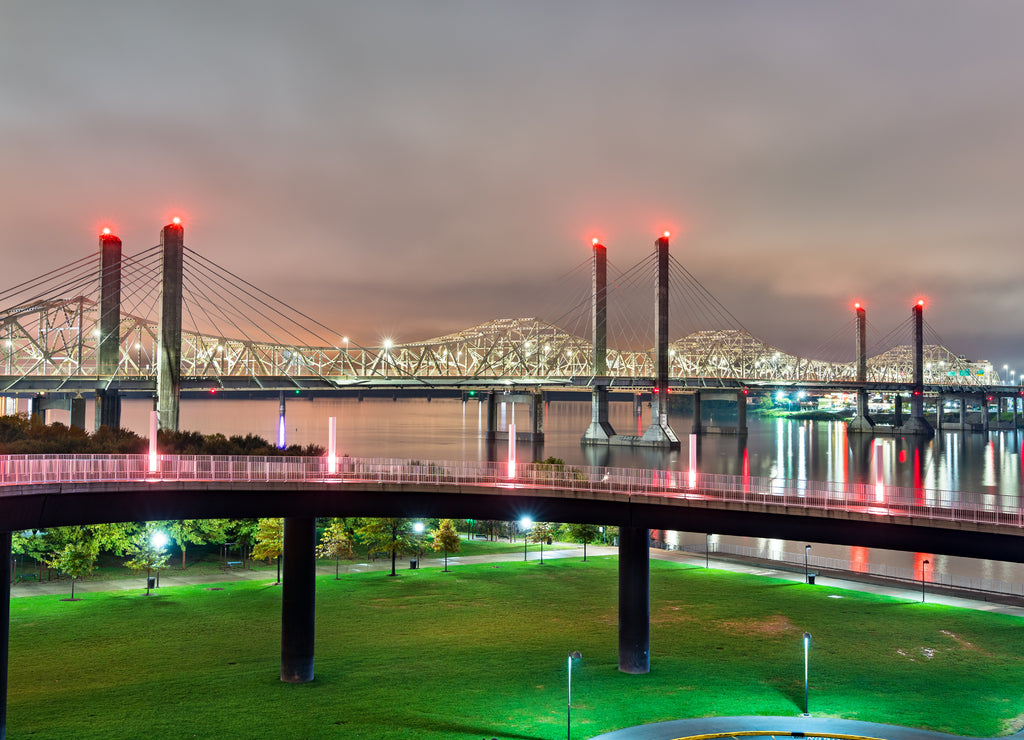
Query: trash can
column 413, row 564
column 810, row 578
column 151, row 582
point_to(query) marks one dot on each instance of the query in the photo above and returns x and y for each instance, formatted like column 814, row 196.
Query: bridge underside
column 43, row 507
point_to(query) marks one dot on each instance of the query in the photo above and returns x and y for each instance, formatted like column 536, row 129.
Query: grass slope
column 480, row 652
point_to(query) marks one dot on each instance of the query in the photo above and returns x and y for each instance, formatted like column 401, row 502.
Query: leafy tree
column 148, row 552
column 542, row 532
column 446, row 538
column 338, row 541
column 585, row 533
column 185, row 532
column 269, row 542
column 77, row 558
column 388, row 535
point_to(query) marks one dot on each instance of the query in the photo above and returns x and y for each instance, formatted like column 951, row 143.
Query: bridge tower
column 917, row 423
column 600, row 430
column 168, row 370
column 108, row 400
column 862, row 422
column 659, row 433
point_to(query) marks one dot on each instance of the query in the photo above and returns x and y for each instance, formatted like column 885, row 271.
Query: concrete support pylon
column 862, row 422
column 917, row 423
column 168, row 369
column 5, row 625
column 108, row 401
column 659, row 433
column 634, row 600
column 298, row 600
column 600, row 430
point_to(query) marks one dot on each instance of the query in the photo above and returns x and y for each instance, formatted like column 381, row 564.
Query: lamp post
column 525, row 523
column 923, row 563
column 807, row 552
column 419, row 528
column 158, row 541
column 807, row 645
column 568, row 706
column 707, row 550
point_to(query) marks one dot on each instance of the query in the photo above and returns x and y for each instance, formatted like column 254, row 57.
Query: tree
column 585, row 533
column 148, row 552
column 446, row 538
column 269, row 542
column 338, row 541
column 389, row 535
column 541, row 532
column 77, row 559
column 196, row 532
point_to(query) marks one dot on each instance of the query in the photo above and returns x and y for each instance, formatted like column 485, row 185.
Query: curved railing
column 920, row 503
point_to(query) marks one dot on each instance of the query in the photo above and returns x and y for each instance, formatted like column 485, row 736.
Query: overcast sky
column 413, row 168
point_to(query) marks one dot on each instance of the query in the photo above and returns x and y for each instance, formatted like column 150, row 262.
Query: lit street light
column 568, row 706
column 807, row 645
column 524, row 524
column 923, row 563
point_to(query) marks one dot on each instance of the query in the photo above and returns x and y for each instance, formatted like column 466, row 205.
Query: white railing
column 918, row 503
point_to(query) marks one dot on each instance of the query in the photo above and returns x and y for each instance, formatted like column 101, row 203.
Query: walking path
column 723, row 726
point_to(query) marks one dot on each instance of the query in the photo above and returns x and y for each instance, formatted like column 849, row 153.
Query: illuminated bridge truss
column 60, row 338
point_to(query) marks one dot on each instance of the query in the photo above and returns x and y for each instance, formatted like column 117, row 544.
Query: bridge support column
column 741, row 413
column 5, row 625
column 600, row 430
column 298, row 600
column 697, row 427
column 110, row 305
column 917, row 423
column 168, row 369
column 963, row 413
column 984, row 413
column 659, row 433
column 537, row 415
column 897, row 410
column 938, row 412
column 78, row 412
column 634, row 600
column 862, row 422
column 108, row 408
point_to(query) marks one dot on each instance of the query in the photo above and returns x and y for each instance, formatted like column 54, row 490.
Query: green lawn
column 481, row 652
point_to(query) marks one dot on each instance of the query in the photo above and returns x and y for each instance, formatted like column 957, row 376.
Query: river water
column 449, row 429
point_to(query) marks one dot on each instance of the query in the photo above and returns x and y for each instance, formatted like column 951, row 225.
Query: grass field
column 481, row 652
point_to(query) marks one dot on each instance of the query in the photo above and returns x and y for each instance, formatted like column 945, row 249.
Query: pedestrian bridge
column 40, row 491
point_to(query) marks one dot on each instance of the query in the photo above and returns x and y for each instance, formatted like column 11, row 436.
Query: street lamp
column 807, row 575
column 923, row 563
column 807, row 645
column 568, row 705
column 524, row 524
column 418, row 528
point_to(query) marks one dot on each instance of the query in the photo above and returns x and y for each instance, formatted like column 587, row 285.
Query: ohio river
column 448, row 429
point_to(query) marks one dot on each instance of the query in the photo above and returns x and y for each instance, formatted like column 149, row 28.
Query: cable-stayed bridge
column 118, row 324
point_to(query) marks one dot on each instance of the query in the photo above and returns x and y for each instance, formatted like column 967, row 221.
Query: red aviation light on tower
column 176, row 221
column 595, row 241
column 106, row 231
column 857, row 305
column 920, row 302
column 667, row 234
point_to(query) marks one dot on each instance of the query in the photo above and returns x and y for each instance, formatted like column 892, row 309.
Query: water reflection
column 975, row 467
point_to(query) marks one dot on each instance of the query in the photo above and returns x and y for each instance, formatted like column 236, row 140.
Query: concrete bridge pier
column 108, row 408
column 862, row 422
column 168, row 368
column 917, row 423
column 963, row 413
column 634, row 600
column 5, row 625
column 78, row 412
column 600, row 430
column 897, row 411
column 535, row 401
column 298, row 599
column 697, row 427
